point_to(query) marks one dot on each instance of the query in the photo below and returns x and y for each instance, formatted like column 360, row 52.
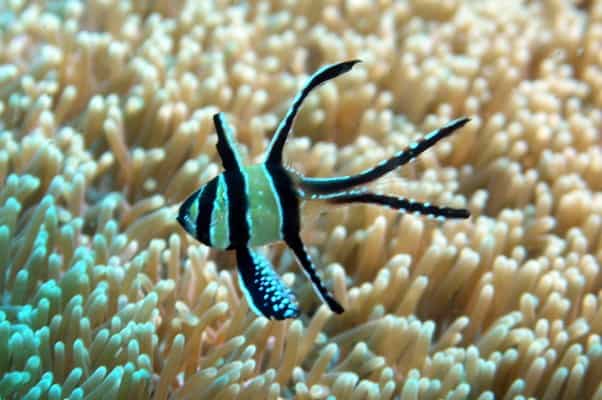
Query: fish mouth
column 189, row 226
column 185, row 222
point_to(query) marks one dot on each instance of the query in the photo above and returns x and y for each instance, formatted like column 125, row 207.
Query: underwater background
column 105, row 128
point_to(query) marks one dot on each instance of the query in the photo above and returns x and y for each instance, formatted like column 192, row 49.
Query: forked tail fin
column 319, row 186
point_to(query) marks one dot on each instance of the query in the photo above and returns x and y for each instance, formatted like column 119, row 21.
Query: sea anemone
column 106, row 126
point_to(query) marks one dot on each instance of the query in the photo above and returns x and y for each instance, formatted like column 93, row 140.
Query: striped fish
column 249, row 206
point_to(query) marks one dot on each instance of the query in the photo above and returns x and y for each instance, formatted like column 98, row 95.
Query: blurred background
column 105, row 128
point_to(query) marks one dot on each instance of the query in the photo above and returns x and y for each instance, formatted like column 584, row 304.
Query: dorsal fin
column 274, row 153
column 226, row 148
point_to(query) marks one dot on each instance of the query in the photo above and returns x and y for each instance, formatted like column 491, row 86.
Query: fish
column 247, row 206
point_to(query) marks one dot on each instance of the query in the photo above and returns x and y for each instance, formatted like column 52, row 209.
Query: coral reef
column 105, row 126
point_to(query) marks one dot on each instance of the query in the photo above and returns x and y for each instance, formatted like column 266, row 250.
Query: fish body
column 263, row 209
column 249, row 206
